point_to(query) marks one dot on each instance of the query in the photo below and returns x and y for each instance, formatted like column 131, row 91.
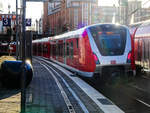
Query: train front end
column 111, row 46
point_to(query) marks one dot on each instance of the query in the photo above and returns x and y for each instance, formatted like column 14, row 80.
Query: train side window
column 139, row 51
column 58, row 50
column 61, row 49
column 52, row 46
column 144, row 50
column 54, row 50
column 67, row 49
column 77, row 42
column 148, row 49
column 71, row 49
column 64, row 49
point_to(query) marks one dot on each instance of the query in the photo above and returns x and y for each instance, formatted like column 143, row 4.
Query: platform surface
column 50, row 93
column 44, row 95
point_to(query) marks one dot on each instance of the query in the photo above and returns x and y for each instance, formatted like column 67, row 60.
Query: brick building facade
column 68, row 15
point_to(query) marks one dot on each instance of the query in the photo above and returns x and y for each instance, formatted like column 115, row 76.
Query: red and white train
column 141, row 35
column 92, row 49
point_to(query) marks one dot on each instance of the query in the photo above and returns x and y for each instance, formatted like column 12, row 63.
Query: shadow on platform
column 6, row 93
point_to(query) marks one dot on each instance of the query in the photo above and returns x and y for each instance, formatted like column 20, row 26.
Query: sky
column 33, row 9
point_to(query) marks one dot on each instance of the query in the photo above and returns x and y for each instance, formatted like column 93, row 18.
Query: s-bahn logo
column 6, row 22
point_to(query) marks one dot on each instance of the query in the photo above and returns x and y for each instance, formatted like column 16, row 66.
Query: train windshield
column 109, row 39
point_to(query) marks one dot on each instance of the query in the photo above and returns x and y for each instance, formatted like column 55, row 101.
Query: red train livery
column 141, row 36
column 89, row 50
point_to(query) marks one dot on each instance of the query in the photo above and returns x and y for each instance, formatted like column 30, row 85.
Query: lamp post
column 17, row 30
column 23, row 77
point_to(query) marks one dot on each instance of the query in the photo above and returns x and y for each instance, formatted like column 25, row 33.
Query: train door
column 68, row 52
column 142, row 59
column 48, row 49
column 57, row 50
column 144, row 54
column 64, row 51
column 72, row 53
column 76, row 52
column 148, row 54
column 51, row 49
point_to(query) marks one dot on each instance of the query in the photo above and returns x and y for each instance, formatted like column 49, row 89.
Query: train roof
column 142, row 23
column 79, row 31
column 145, row 23
column 143, row 29
column 41, row 40
column 135, row 24
column 70, row 34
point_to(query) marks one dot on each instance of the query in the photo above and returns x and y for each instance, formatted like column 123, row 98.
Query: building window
column 75, row 18
column 85, row 13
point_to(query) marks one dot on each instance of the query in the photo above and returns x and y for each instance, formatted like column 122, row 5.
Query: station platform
column 56, row 90
column 45, row 95
column 52, row 92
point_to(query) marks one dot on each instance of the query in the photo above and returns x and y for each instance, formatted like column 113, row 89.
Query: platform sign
column 28, row 22
column 6, row 22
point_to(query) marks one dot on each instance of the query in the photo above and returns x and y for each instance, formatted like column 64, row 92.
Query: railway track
column 70, row 107
column 101, row 104
column 130, row 97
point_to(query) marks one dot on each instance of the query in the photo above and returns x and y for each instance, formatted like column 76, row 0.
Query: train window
column 67, row 49
column 71, row 48
column 60, row 49
column 144, row 55
column 54, row 50
column 57, row 50
column 64, row 49
column 77, row 42
column 39, row 48
column 45, row 49
column 148, row 49
column 138, row 51
column 111, row 41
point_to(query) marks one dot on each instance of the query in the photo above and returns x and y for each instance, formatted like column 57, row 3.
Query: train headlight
column 129, row 57
column 96, row 59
